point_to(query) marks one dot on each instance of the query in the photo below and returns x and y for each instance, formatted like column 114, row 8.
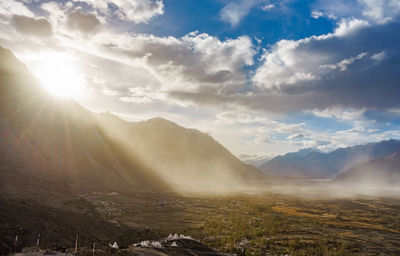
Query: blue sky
column 263, row 77
column 294, row 22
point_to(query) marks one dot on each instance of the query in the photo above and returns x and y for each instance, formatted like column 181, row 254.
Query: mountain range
column 312, row 163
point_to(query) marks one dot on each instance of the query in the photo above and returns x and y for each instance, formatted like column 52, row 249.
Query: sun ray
column 59, row 74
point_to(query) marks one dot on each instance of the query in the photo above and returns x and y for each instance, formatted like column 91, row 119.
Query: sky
column 262, row 77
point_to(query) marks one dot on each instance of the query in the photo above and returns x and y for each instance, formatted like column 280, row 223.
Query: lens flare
column 59, row 75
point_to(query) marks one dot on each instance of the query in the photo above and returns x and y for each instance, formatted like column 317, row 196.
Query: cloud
column 84, row 22
column 332, row 70
column 267, row 7
column 188, row 63
column 258, row 131
column 192, row 63
column 318, row 144
column 254, row 159
column 376, row 11
column 12, row 7
column 293, row 62
column 39, row 27
column 317, row 72
column 234, row 12
column 295, row 136
column 57, row 14
column 380, row 56
column 137, row 11
column 113, row 78
column 381, row 11
column 317, row 14
column 140, row 95
column 314, row 73
column 234, row 117
column 269, row 125
column 339, row 113
column 346, row 27
column 343, row 64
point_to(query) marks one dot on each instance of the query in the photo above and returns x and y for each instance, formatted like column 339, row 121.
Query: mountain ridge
column 316, row 164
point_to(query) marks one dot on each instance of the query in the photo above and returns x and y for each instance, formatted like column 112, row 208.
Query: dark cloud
column 39, row 27
column 384, row 116
column 84, row 22
column 363, row 72
column 367, row 83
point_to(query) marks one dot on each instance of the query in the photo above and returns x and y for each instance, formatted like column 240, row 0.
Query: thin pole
column 38, row 241
column 15, row 243
column 94, row 247
column 76, row 244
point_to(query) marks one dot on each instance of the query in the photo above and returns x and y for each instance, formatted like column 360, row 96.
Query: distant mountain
column 293, row 156
column 379, row 172
column 254, row 160
column 310, row 163
column 54, row 147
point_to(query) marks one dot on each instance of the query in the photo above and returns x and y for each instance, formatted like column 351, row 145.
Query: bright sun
column 58, row 74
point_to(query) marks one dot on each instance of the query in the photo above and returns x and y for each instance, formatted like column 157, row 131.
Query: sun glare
column 58, row 73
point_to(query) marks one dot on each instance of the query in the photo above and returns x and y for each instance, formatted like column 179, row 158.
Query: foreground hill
column 383, row 171
column 56, row 145
column 315, row 164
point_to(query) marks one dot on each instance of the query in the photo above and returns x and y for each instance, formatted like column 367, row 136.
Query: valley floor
column 265, row 224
